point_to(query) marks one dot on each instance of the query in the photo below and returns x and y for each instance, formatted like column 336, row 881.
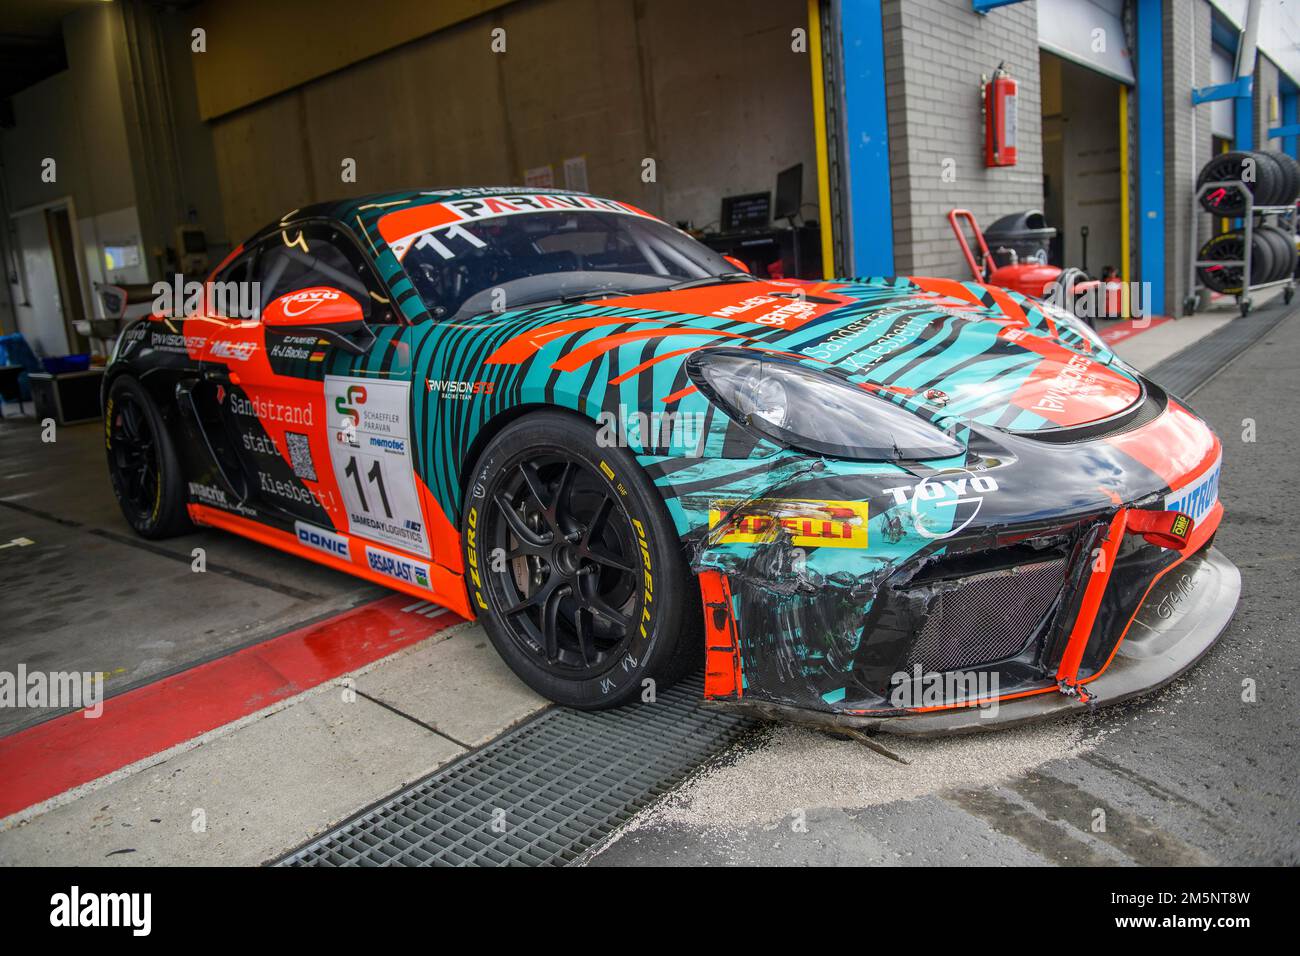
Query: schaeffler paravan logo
column 348, row 408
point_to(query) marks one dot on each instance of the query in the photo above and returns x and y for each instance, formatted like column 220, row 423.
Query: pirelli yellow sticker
column 810, row 524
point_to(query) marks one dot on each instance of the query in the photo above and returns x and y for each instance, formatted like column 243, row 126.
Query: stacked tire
column 1272, row 177
column 1272, row 258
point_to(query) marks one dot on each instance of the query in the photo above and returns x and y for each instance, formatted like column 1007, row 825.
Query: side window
column 299, row 257
column 231, row 293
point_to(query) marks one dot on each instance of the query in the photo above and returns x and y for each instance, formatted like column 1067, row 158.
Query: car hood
column 943, row 347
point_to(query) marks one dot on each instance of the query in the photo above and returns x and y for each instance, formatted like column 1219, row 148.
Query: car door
column 322, row 425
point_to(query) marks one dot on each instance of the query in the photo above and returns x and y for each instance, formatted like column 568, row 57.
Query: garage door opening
column 1082, row 186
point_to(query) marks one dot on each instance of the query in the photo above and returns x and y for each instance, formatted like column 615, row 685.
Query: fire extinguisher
column 1000, row 119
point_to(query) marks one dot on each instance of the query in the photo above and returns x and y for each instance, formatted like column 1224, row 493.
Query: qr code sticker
column 300, row 456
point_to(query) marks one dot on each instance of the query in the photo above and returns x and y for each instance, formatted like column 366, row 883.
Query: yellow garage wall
column 257, row 49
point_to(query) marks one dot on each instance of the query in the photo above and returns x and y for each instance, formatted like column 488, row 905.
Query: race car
column 908, row 504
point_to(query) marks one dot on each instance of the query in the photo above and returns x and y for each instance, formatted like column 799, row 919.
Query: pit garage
column 253, row 550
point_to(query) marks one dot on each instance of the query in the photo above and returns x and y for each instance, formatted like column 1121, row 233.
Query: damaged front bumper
column 1181, row 618
column 1108, row 615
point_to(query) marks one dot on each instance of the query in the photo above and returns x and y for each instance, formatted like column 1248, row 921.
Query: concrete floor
column 1193, row 775
column 89, row 595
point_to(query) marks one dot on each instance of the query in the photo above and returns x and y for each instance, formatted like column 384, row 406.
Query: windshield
column 506, row 262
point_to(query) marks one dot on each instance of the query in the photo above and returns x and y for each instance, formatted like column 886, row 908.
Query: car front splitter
column 1181, row 618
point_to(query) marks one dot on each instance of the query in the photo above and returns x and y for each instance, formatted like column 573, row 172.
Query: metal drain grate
column 541, row 794
column 1186, row 371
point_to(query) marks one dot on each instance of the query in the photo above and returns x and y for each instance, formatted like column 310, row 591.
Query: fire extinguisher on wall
column 1000, row 119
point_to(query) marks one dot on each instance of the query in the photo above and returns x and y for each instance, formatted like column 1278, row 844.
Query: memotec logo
column 1199, row 497
column 387, row 444
column 322, row 540
column 134, row 910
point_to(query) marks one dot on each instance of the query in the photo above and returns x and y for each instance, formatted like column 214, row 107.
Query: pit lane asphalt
column 1194, row 774
column 88, row 594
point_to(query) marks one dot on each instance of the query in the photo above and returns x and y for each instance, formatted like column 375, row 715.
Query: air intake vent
column 986, row 617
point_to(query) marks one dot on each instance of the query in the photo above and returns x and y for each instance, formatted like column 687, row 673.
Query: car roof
column 346, row 209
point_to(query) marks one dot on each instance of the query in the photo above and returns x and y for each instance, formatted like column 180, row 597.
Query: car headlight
column 812, row 411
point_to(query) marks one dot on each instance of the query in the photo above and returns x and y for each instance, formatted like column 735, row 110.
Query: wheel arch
column 495, row 425
column 160, row 387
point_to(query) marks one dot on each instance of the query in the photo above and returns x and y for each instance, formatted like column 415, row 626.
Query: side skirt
column 445, row 587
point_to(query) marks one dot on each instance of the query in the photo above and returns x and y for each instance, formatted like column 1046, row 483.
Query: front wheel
column 574, row 567
column 143, row 463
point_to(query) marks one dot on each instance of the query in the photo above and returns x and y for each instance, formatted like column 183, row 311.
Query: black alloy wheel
column 135, row 456
column 565, row 565
column 142, row 462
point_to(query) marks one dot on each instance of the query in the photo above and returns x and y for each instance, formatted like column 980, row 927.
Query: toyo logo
column 300, row 303
column 965, row 496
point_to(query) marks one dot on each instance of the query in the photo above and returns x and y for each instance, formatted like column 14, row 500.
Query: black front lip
column 1180, row 620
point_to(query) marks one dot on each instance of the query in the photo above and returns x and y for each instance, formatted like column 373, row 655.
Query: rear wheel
column 142, row 462
column 574, row 567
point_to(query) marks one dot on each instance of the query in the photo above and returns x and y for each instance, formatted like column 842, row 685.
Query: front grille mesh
column 986, row 617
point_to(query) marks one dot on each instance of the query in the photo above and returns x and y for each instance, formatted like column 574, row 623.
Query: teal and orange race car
column 910, row 504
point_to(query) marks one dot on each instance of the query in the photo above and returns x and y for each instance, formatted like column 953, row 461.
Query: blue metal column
column 866, row 138
column 1290, row 104
column 1151, row 150
column 1243, row 117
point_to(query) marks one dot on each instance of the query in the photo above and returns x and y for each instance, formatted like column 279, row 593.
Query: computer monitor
column 789, row 193
column 750, row 211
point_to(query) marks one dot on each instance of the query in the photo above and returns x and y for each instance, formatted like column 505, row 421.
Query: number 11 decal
column 372, row 461
column 376, row 476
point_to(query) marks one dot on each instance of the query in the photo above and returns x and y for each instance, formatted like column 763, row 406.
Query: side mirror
column 738, row 263
column 330, row 314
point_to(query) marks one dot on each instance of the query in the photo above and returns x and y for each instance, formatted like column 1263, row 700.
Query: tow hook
column 1075, row 690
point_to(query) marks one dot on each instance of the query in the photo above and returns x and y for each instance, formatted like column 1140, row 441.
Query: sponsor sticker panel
column 398, row 567
column 370, row 450
column 810, row 524
column 1196, row 499
column 320, row 539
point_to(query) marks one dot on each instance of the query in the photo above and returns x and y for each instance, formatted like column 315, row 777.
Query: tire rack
column 1247, row 217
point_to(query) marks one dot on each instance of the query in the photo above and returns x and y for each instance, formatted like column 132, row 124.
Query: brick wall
column 935, row 52
column 1186, row 65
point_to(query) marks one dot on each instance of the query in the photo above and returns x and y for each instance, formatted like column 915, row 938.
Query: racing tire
column 1272, row 179
column 1228, row 247
column 1290, row 181
column 1284, row 253
column 1231, row 167
column 574, row 566
column 142, row 463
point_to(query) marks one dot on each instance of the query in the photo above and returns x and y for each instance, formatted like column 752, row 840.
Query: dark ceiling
column 31, row 41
